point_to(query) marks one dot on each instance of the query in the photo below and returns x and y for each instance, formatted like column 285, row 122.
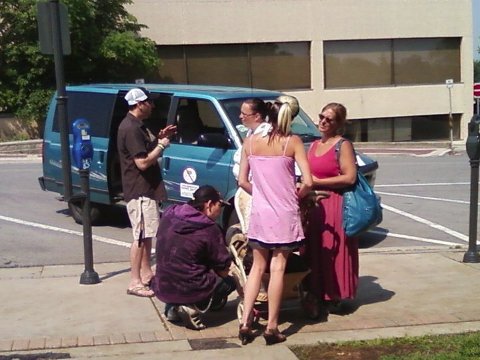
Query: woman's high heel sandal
column 245, row 334
column 273, row 336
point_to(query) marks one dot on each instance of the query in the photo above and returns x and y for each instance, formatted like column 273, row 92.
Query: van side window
column 195, row 117
column 94, row 107
column 158, row 119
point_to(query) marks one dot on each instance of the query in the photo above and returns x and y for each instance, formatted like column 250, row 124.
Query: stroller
column 237, row 241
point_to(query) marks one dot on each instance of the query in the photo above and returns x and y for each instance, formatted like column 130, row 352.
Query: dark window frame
column 451, row 70
column 184, row 71
column 96, row 108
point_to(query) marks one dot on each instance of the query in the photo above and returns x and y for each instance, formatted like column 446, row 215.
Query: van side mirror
column 214, row 140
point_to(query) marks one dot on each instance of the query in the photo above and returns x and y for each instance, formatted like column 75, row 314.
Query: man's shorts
column 144, row 217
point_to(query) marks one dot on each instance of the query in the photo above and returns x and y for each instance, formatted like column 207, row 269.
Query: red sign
column 476, row 90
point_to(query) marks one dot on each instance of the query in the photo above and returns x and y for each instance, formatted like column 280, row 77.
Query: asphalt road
column 425, row 199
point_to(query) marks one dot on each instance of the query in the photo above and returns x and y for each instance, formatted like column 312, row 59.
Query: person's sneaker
column 172, row 314
column 190, row 317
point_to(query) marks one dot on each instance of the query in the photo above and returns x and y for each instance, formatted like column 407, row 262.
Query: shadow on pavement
column 369, row 292
column 369, row 239
column 113, row 273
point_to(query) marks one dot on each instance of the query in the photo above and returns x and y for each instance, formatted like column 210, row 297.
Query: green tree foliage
column 106, row 47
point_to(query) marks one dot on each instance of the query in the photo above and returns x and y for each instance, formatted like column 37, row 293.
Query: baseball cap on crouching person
column 205, row 193
column 136, row 95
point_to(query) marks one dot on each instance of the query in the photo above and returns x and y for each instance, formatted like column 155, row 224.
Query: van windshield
column 302, row 125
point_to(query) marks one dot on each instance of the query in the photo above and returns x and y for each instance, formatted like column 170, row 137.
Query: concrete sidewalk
column 402, row 292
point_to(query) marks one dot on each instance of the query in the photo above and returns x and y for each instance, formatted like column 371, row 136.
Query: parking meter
column 82, row 150
column 82, row 153
column 473, row 139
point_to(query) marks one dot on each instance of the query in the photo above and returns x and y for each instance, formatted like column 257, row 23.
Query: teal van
column 209, row 132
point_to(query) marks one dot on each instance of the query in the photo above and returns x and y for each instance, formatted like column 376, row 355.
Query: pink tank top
column 275, row 217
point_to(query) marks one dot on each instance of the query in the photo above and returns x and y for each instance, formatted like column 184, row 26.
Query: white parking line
column 415, row 238
column 422, row 220
column 66, row 231
column 427, row 222
column 421, row 184
column 423, row 197
column 386, row 207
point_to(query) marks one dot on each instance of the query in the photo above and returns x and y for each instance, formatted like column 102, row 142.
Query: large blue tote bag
column 361, row 207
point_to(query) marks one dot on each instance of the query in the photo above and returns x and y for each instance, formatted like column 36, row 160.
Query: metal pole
column 61, row 100
column 471, row 256
column 477, row 100
column 450, row 118
column 89, row 276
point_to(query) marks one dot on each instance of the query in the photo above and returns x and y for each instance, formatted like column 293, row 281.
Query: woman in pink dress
column 332, row 256
column 275, row 228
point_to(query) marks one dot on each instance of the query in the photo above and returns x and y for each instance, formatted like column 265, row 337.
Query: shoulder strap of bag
column 338, row 145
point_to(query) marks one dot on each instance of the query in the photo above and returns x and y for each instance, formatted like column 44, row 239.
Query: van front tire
column 76, row 211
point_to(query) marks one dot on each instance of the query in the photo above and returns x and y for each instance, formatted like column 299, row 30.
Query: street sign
column 476, row 90
column 449, row 83
column 46, row 23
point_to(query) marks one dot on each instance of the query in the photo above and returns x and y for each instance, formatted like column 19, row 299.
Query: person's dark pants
column 224, row 287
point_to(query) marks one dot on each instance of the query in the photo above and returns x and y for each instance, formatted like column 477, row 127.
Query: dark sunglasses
column 323, row 117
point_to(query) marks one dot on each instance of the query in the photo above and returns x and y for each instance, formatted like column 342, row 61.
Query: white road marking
column 422, row 197
column 24, row 159
column 422, row 220
column 427, row 222
column 386, row 207
column 66, row 231
column 415, row 238
column 421, row 184
column 378, row 232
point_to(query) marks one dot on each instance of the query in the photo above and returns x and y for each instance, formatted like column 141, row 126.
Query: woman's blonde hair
column 291, row 101
column 281, row 113
column 284, row 119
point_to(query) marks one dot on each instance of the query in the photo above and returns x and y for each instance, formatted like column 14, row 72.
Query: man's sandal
column 148, row 283
column 141, row 291
column 190, row 317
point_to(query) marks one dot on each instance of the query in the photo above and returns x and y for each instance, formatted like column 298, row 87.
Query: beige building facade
column 387, row 61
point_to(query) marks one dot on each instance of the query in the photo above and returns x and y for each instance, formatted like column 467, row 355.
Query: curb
column 179, row 343
column 420, row 149
column 18, row 148
column 84, row 345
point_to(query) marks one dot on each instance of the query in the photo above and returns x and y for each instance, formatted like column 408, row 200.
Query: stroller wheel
column 255, row 315
column 240, row 312
column 232, row 231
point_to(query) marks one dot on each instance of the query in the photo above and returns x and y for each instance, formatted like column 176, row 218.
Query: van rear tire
column 77, row 212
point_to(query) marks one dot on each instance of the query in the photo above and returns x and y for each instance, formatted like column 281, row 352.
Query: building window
column 409, row 128
column 364, row 63
column 357, row 63
column 278, row 66
column 426, row 61
column 217, row 65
